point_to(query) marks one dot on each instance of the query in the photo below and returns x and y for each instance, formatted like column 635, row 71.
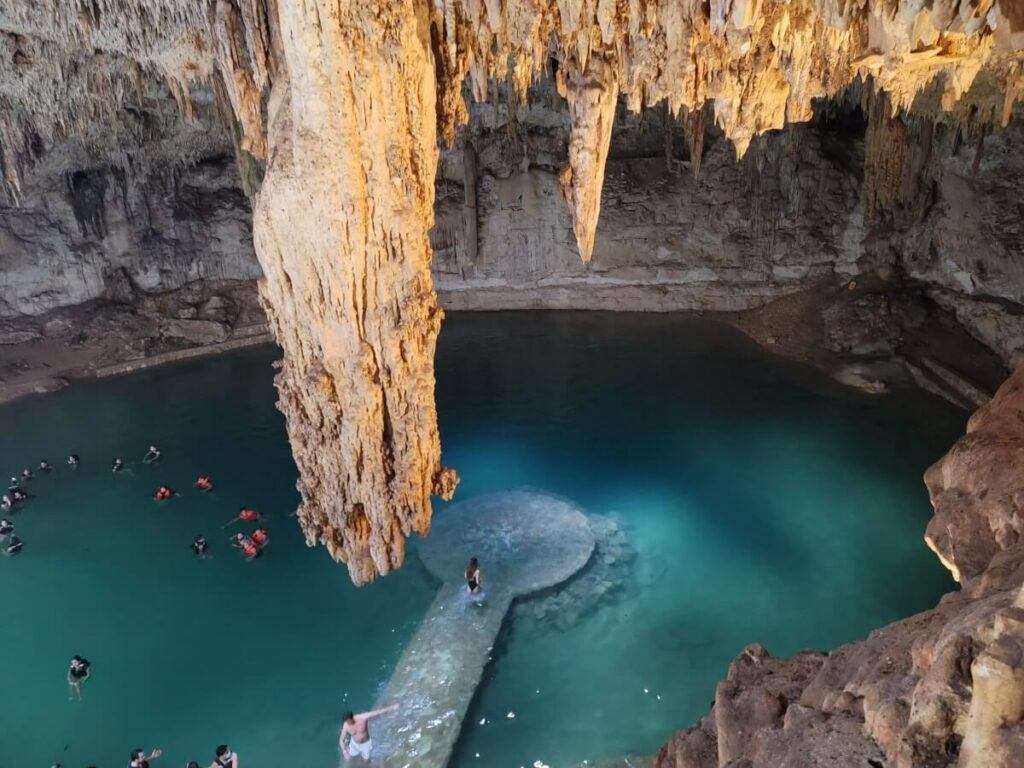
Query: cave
column 697, row 325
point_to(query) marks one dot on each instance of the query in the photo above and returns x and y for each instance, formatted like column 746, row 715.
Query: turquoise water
column 762, row 502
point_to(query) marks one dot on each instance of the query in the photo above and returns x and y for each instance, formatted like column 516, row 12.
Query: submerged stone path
column 525, row 542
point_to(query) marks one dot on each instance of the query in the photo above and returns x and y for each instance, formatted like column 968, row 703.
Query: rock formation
column 342, row 107
column 943, row 688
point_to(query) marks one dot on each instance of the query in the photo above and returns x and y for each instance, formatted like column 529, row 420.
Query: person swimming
column 474, row 578
column 6, row 529
column 26, row 474
column 245, row 515
column 14, row 484
column 246, row 545
column 163, row 493
column 204, row 483
column 13, row 546
column 224, row 758
column 118, row 465
column 200, row 545
column 139, row 758
column 73, row 460
column 260, row 537
column 18, row 495
column 45, row 466
column 153, row 454
column 6, row 503
column 78, row 673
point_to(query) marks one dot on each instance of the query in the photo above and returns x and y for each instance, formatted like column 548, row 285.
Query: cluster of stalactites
column 759, row 63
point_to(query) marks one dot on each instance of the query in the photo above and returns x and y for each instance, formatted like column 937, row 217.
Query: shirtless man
column 356, row 726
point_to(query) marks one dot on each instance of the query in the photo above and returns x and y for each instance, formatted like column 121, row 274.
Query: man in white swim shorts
column 358, row 731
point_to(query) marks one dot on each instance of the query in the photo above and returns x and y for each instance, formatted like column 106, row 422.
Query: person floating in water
column 204, row 483
column 73, row 460
column 26, row 474
column 139, row 758
column 200, row 546
column 245, row 515
column 78, row 673
column 6, row 503
column 153, row 454
column 18, row 495
column 474, row 578
column 45, row 466
column 13, row 546
column 118, row 465
column 163, row 493
column 249, row 548
column 6, row 529
column 356, row 727
column 260, row 537
column 14, row 485
column 224, row 758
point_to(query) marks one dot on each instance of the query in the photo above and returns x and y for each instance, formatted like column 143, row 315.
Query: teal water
column 763, row 503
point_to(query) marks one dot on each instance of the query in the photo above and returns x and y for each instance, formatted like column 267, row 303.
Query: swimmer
column 260, row 537
column 26, row 474
column 225, row 758
column 13, row 546
column 153, row 454
column 78, row 673
column 356, row 727
column 6, row 503
column 204, row 483
column 139, row 758
column 200, row 545
column 250, row 549
column 13, row 485
column 163, row 493
column 117, row 466
column 244, row 515
column 6, row 529
column 18, row 495
column 474, row 578
column 45, row 466
column 73, row 460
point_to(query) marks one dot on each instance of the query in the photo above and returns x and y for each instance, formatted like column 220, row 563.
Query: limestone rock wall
column 89, row 230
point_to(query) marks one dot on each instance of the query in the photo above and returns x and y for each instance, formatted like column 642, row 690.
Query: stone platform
column 525, row 542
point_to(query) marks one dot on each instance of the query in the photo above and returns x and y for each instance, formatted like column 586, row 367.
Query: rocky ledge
column 942, row 688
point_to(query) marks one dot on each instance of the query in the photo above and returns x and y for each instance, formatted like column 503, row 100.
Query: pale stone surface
column 525, row 542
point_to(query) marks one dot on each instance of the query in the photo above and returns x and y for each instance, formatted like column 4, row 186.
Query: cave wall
column 82, row 233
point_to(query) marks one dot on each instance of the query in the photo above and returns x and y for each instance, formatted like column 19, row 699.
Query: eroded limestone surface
column 525, row 542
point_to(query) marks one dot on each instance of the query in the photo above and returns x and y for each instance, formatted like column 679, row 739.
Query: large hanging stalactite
column 341, row 232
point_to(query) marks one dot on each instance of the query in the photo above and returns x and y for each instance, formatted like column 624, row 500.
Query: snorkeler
column 204, row 483
column 118, row 465
column 474, row 578
column 139, row 758
column 200, row 546
column 356, row 727
column 225, row 758
column 13, row 546
column 78, row 673
column 6, row 529
column 73, row 460
column 45, row 466
column 153, row 454
column 163, row 493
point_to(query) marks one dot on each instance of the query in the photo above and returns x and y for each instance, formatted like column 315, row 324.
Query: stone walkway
column 525, row 542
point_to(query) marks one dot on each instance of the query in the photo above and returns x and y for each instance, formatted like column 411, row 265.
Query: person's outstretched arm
column 378, row 712
column 341, row 742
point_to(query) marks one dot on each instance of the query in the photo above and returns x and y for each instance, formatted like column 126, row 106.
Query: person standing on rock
column 356, row 727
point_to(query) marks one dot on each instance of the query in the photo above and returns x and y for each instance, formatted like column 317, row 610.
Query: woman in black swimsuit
column 140, row 759
column 78, row 673
column 474, row 579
